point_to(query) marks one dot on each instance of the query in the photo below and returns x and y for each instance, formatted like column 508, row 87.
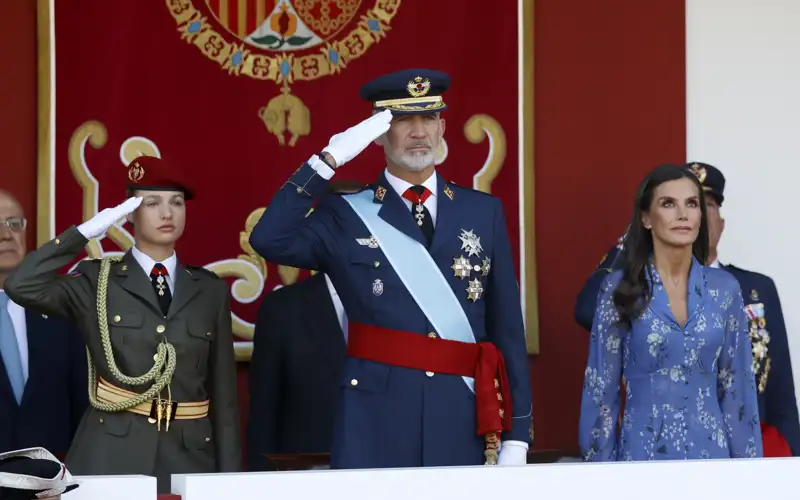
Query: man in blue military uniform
column 437, row 370
column 771, row 361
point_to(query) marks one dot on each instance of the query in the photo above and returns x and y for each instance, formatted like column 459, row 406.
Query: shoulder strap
column 418, row 272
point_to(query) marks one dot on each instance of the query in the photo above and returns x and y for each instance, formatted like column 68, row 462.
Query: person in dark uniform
column 33, row 473
column 42, row 358
column 163, row 381
column 294, row 371
column 772, row 364
column 437, row 370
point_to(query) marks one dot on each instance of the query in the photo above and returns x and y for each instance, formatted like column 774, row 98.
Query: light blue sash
column 418, row 272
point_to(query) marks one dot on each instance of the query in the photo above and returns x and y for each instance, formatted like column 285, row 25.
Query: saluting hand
column 99, row 224
column 345, row 146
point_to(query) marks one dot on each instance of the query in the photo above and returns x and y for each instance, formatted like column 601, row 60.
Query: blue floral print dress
column 689, row 391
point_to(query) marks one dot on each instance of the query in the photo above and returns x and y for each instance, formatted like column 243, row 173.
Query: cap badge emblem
column 699, row 172
column 418, row 87
column 135, row 172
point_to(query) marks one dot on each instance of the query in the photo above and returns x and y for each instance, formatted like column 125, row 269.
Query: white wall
column 743, row 116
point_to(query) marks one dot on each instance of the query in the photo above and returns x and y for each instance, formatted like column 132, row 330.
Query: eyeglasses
column 15, row 224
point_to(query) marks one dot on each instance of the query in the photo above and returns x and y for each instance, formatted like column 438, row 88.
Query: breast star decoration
column 471, row 243
column 463, row 268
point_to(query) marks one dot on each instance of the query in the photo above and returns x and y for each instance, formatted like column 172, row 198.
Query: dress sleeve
column 600, row 402
column 736, row 385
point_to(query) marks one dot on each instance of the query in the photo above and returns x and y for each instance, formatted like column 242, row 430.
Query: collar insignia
column 379, row 194
column 448, row 192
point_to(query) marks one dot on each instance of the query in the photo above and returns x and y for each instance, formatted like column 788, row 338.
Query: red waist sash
column 484, row 362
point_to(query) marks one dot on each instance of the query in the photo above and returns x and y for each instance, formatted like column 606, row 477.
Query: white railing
column 776, row 478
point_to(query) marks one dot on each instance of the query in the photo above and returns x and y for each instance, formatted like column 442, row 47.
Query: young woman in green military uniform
column 162, row 382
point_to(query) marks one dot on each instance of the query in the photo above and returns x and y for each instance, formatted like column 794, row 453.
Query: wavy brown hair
column 633, row 294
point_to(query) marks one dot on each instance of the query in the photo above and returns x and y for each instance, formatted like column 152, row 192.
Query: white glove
column 512, row 453
column 347, row 145
column 99, row 224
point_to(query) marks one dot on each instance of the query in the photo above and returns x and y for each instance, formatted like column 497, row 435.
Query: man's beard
column 413, row 162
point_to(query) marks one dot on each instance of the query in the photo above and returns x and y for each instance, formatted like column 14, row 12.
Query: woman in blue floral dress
column 675, row 333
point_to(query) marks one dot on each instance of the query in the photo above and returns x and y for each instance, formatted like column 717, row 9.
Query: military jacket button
column 160, row 328
column 354, row 382
column 429, row 374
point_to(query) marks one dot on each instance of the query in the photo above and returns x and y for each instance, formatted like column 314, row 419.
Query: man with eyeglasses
column 43, row 373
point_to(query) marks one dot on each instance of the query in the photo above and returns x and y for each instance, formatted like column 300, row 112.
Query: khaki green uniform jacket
column 198, row 325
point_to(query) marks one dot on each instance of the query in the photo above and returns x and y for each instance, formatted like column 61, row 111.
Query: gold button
column 160, row 328
column 101, row 420
column 155, row 357
column 57, row 241
column 354, row 382
column 208, row 334
column 117, row 318
column 299, row 190
column 377, row 263
column 208, row 440
column 429, row 374
column 432, row 335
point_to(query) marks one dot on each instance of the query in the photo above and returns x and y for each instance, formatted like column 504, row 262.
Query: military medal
column 759, row 339
column 377, row 288
column 461, row 267
column 160, row 285
column 471, row 243
column 420, row 215
column 485, row 266
column 474, row 290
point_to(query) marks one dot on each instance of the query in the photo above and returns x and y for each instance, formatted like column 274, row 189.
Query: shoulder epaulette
column 467, row 188
column 346, row 187
column 202, row 270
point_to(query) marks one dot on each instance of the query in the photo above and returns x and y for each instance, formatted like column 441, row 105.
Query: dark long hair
column 633, row 293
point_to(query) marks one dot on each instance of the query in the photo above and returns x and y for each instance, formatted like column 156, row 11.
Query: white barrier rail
column 728, row 479
column 777, row 478
column 114, row 488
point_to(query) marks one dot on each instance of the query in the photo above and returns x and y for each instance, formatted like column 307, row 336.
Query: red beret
column 152, row 173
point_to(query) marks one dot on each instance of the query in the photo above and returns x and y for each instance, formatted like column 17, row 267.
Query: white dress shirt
column 402, row 186
column 341, row 315
column 17, row 314
column 147, row 264
column 714, row 264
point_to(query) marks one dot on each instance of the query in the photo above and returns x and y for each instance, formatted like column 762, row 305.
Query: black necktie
column 417, row 196
column 158, row 277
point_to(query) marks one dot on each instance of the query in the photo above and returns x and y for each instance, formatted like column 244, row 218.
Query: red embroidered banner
column 240, row 92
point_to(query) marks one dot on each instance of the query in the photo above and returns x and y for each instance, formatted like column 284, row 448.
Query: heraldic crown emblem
column 284, row 41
